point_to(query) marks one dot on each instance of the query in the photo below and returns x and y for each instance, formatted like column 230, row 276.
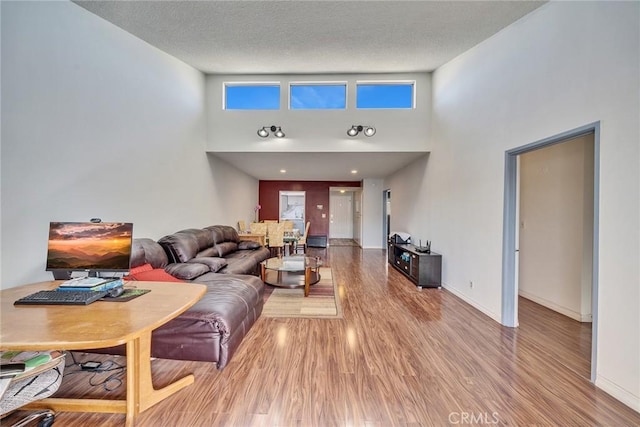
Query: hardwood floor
column 399, row 357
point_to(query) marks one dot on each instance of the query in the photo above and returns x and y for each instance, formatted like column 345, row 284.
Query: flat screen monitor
column 88, row 246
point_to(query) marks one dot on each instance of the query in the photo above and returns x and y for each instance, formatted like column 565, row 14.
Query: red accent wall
column 316, row 193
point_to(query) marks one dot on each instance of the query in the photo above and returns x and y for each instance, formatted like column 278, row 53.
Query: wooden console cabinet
column 425, row 270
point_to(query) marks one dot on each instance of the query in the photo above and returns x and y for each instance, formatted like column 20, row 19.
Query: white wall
column 97, row 123
column 317, row 130
column 409, row 201
column 372, row 199
column 556, row 227
column 563, row 66
column 357, row 216
column 234, row 196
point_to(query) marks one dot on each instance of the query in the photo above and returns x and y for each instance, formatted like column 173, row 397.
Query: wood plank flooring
column 399, row 357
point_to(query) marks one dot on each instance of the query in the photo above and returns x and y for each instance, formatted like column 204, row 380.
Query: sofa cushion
column 187, row 271
column 230, row 234
column 203, row 237
column 248, row 245
column 155, row 275
column 180, row 247
column 147, row 251
column 217, row 233
column 214, row 264
column 209, row 252
column 140, row 269
column 226, row 248
column 240, row 265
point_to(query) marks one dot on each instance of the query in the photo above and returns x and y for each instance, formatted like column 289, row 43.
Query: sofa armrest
column 187, row 271
column 214, row 263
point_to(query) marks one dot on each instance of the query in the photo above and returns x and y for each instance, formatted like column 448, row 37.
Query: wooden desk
column 260, row 238
column 98, row 325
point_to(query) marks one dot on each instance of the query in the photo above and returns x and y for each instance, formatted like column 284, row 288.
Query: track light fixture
column 264, row 131
column 356, row 129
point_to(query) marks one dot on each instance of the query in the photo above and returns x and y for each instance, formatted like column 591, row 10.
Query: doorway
column 341, row 215
column 291, row 208
column 386, row 214
column 511, row 227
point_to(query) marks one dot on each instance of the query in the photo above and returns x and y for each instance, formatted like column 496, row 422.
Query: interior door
column 341, row 216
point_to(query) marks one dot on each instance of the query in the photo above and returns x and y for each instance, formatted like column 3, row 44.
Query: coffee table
column 285, row 272
column 99, row 325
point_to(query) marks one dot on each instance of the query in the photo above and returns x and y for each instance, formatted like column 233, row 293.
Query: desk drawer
column 403, row 265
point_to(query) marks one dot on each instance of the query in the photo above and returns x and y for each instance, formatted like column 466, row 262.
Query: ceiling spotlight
column 277, row 131
column 356, row 129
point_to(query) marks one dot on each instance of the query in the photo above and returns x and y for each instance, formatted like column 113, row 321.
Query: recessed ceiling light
column 283, row 171
column 342, row 191
column 354, row 171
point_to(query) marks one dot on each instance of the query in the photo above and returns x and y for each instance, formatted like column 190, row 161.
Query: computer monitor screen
column 88, row 246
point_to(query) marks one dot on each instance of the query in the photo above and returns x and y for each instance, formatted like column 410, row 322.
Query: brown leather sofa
column 188, row 250
column 214, row 327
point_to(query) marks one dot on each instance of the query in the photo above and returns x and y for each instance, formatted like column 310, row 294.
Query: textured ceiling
column 313, row 37
column 292, row 37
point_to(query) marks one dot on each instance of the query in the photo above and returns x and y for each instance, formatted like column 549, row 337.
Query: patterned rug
column 322, row 303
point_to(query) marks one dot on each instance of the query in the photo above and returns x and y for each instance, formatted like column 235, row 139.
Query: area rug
column 342, row 242
column 323, row 301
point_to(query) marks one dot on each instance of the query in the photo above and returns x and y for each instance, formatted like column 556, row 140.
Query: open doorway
column 584, row 293
column 386, row 214
column 292, row 208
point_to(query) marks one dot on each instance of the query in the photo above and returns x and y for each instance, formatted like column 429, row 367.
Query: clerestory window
column 318, row 96
column 383, row 95
column 251, row 96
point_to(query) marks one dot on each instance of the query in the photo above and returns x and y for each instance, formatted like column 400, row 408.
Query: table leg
column 140, row 392
column 307, row 280
column 144, row 393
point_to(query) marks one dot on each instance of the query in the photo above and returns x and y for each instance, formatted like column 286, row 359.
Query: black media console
column 423, row 269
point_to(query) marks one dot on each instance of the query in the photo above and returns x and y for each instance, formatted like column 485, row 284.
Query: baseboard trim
column 555, row 307
column 472, row 303
column 619, row 393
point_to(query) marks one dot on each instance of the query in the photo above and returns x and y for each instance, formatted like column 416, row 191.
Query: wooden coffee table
column 286, row 271
column 99, row 325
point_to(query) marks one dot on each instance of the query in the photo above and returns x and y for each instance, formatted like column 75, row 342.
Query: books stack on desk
column 91, row 284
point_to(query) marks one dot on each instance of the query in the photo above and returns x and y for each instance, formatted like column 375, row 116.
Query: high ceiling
column 312, row 37
column 293, row 37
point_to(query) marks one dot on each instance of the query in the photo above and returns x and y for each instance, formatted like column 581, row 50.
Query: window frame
column 342, row 83
column 413, row 83
column 254, row 84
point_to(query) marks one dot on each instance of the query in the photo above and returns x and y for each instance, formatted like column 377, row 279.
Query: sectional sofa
column 194, row 252
column 214, row 327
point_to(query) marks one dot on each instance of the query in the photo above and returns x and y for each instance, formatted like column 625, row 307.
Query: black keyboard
column 61, row 298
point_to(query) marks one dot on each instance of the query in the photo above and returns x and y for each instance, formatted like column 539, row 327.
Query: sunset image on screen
column 89, row 246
